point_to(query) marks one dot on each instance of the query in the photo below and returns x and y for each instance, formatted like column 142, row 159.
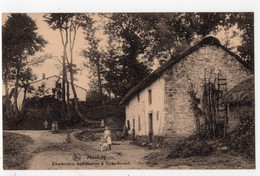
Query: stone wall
column 179, row 117
column 140, row 139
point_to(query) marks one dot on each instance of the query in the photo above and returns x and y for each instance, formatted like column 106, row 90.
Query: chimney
column 43, row 76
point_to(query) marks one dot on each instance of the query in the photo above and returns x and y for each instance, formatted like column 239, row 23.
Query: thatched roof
column 157, row 73
column 241, row 93
column 55, row 76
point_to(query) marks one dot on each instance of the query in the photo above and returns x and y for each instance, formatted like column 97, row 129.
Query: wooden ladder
column 221, row 106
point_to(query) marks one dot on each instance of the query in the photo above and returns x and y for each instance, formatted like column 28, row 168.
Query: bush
column 242, row 139
column 14, row 152
column 188, row 148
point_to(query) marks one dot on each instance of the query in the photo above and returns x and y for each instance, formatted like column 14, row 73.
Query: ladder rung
column 220, row 121
column 223, row 89
column 221, row 106
column 221, row 118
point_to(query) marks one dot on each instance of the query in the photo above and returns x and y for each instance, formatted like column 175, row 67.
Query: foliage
column 94, row 98
column 41, row 90
column 137, row 39
column 27, row 77
column 14, row 152
column 189, row 148
column 172, row 33
column 242, row 139
column 95, row 60
column 124, row 69
column 245, row 22
column 36, row 111
column 20, row 40
column 194, row 102
column 20, row 37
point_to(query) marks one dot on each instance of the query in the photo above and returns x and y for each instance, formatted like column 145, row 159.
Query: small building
column 51, row 85
column 158, row 109
column 241, row 103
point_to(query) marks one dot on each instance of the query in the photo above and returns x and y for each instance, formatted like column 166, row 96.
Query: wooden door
column 151, row 127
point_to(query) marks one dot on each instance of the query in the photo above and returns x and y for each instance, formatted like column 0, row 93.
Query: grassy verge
column 214, row 161
column 15, row 155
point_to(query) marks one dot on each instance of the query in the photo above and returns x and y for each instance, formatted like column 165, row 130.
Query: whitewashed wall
column 143, row 109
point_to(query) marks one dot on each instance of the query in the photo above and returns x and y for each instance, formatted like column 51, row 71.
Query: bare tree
column 68, row 25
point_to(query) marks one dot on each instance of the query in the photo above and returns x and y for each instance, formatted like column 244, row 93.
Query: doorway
column 133, row 129
column 151, row 128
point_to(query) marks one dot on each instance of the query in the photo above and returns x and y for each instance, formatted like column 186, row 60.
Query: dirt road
column 51, row 151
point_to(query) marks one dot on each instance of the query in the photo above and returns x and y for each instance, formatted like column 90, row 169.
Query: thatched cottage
column 241, row 102
column 159, row 107
column 46, row 85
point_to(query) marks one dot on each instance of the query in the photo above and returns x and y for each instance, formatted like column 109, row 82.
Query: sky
column 54, row 48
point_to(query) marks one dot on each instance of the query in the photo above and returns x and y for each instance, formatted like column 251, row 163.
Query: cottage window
column 138, row 97
column 150, row 96
column 139, row 123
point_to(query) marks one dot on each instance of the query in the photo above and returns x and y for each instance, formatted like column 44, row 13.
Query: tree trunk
column 64, row 72
column 77, row 110
column 100, row 84
column 63, row 90
column 8, row 108
column 76, row 104
column 16, row 89
column 75, row 96
column 68, row 98
column 198, row 124
column 24, row 97
column 109, row 95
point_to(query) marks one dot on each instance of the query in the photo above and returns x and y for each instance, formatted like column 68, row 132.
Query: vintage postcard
column 84, row 91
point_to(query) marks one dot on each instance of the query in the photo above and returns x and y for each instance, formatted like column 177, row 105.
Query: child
column 53, row 127
column 102, row 123
column 45, row 124
column 103, row 144
column 107, row 136
column 56, row 127
column 68, row 138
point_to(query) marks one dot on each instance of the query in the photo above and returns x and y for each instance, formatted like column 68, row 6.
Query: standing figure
column 53, row 127
column 45, row 124
column 102, row 123
column 125, row 133
column 56, row 127
column 107, row 136
column 133, row 134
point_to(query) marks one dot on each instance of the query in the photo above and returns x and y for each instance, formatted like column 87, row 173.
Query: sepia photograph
column 117, row 91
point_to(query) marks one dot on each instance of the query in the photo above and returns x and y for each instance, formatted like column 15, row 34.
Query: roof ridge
column 60, row 78
column 210, row 40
